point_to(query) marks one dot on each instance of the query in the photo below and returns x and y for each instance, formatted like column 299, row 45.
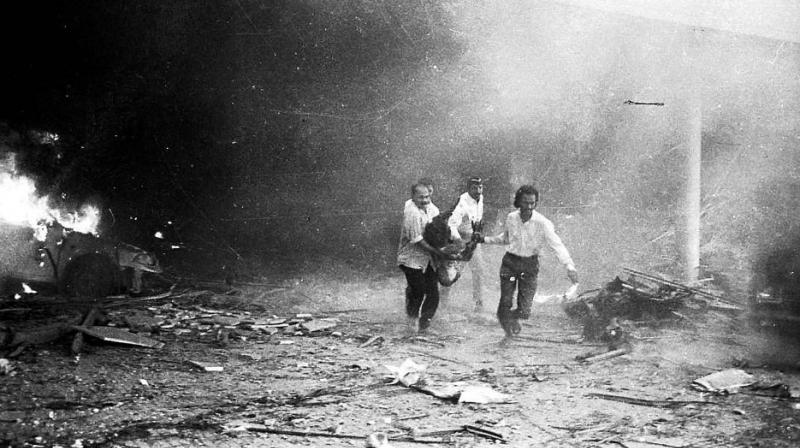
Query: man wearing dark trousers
column 527, row 232
column 415, row 257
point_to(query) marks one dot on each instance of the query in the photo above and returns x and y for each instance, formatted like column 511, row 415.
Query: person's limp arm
column 436, row 251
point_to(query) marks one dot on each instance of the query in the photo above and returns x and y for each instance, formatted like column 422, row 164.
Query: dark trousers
column 422, row 294
column 517, row 275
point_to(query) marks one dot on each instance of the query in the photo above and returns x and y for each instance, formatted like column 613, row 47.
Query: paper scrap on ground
column 408, row 373
column 728, row 380
column 483, row 395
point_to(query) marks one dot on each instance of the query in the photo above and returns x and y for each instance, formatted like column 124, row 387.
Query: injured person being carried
column 438, row 234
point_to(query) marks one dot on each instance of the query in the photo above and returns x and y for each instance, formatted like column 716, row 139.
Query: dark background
column 264, row 129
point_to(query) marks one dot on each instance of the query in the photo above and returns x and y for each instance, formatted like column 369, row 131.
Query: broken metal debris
column 238, row 426
column 485, row 433
column 651, row 403
column 219, row 326
column 710, row 299
column 643, row 297
column 619, row 300
column 118, row 335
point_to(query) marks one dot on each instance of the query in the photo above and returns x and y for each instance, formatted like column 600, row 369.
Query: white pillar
column 693, row 187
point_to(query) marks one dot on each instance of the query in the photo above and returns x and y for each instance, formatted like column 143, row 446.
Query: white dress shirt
column 526, row 239
column 409, row 253
column 467, row 207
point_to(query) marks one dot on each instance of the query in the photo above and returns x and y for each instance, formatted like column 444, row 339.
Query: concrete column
column 693, row 187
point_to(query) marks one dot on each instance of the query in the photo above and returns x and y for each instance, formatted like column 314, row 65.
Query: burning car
column 78, row 264
column 46, row 244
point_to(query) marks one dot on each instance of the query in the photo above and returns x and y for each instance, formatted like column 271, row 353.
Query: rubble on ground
column 642, row 297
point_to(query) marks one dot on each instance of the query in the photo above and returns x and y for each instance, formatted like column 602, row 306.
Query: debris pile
column 134, row 326
column 641, row 297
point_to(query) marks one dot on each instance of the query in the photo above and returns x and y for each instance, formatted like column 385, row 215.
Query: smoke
column 382, row 94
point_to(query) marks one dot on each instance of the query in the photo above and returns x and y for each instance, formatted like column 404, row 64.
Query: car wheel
column 91, row 275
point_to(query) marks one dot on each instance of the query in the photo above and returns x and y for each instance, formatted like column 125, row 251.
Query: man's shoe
column 515, row 327
column 507, row 328
column 411, row 324
column 423, row 325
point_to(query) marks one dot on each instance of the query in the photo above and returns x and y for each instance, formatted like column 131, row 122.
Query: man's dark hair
column 418, row 185
column 427, row 181
column 525, row 189
column 474, row 180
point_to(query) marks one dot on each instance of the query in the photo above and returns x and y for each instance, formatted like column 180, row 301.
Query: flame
column 84, row 220
column 21, row 205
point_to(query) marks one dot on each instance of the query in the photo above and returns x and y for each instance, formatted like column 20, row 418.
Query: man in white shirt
column 527, row 233
column 469, row 211
column 415, row 258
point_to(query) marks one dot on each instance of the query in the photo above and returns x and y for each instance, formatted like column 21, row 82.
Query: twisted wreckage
column 642, row 296
column 78, row 264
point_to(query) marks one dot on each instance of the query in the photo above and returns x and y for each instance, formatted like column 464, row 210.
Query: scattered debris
column 485, row 433
column 483, row 395
column 378, row 440
column 778, row 390
column 651, row 403
column 208, row 367
column 319, row 325
column 10, row 338
column 250, row 356
column 77, row 340
column 603, row 356
column 118, row 335
column 407, row 374
column 619, row 300
column 254, row 427
column 479, row 431
column 424, row 340
column 5, row 366
column 363, row 364
column 711, row 300
column 371, row 341
column 411, row 375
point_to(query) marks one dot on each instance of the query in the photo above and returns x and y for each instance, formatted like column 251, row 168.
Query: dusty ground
column 121, row 396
